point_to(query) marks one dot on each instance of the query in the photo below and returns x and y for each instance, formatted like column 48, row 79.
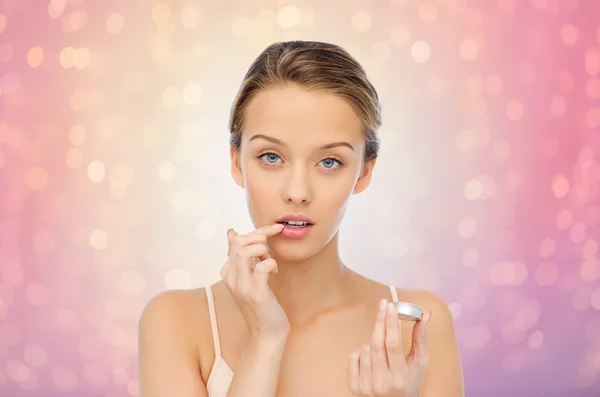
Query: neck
column 313, row 286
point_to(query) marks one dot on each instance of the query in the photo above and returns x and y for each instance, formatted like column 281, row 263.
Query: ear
column 236, row 168
column 365, row 176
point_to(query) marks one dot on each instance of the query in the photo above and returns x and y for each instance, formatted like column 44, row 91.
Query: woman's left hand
column 381, row 368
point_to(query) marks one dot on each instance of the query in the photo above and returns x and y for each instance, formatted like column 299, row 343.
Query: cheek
column 335, row 196
column 257, row 179
column 261, row 191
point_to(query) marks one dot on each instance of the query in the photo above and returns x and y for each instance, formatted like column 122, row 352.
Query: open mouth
column 295, row 224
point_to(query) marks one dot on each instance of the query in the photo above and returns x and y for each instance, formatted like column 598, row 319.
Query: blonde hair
column 316, row 66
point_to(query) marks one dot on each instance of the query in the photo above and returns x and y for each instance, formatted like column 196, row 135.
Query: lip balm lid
column 408, row 311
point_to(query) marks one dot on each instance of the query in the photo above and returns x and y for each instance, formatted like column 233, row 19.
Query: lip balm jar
column 408, row 311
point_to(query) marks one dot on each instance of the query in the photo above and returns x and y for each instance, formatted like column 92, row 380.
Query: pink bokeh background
column 114, row 175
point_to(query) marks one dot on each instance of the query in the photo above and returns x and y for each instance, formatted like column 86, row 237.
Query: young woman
column 289, row 318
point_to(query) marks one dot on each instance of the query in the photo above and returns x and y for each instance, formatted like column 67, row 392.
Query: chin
column 292, row 253
column 297, row 249
column 293, row 250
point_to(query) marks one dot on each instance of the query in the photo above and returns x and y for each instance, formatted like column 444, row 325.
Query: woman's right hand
column 249, row 286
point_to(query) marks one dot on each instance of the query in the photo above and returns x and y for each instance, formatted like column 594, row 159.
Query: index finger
column 268, row 230
column 260, row 235
column 257, row 236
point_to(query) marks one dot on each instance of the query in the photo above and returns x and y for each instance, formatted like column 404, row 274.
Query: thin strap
column 213, row 321
column 394, row 293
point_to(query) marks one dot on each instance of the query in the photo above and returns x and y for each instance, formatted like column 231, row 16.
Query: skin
column 336, row 336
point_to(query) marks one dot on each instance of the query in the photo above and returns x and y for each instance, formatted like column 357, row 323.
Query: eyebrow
column 278, row 142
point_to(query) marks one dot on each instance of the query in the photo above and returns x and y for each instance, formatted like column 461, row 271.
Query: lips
column 296, row 226
column 296, row 219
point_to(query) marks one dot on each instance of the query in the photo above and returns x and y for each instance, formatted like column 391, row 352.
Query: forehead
column 292, row 113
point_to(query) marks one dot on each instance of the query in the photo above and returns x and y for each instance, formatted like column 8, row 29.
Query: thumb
column 420, row 349
column 231, row 234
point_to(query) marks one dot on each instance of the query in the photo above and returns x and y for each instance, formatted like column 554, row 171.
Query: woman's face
column 301, row 153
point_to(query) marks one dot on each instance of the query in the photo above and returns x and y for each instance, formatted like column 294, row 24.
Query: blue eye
column 330, row 162
column 271, row 158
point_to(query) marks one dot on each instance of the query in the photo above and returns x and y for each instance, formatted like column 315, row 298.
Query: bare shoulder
column 175, row 311
column 172, row 327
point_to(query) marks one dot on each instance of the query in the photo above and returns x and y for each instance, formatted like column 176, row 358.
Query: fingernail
column 430, row 317
column 382, row 304
column 278, row 226
column 228, row 230
column 390, row 309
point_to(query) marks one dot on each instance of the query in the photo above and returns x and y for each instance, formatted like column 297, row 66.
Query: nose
column 297, row 189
